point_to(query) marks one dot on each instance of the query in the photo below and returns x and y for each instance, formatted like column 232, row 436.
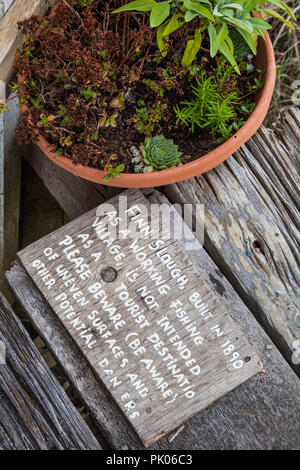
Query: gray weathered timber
column 165, row 318
column 262, row 413
column 4, row 6
column 74, row 195
column 10, row 39
column 35, row 412
column 252, row 225
column 12, row 184
column 2, row 96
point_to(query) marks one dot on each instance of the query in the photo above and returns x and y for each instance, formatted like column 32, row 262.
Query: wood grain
column 209, row 354
column 266, row 409
column 252, row 225
column 35, row 412
column 74, row 195
column 4, row 6
column 11, row 162
column 10, row 39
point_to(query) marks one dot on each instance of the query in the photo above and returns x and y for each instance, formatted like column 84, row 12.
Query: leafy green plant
column 113, row 172
column 44, row 121
column 218, row 17
column 212, row 106
column 240, row 46
column 146, row 118
column 160, row 153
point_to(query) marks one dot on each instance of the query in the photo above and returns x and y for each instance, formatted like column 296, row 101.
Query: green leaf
column 174, row 23
column 223, row 33
column 159, row 12
column 279, row 17
column 249, row 39
column 188, row 3
column 243, row 24
column 159, row 39
column 250, row 5
column 214, row 42
column 236, row 6
column 259, row 25
column 202, row 10
column 138, row 5
column 284, row 7
column 192, row 47
column 190, row 15
column 226, row 48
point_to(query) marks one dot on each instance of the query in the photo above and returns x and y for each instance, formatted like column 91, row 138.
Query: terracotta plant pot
column 265, row 58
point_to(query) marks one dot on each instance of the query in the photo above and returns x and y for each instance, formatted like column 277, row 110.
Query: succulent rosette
column 160, row 153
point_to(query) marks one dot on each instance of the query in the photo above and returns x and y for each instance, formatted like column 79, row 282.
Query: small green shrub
column 217, row 17
column 146, row 117
column 241, row 48
column 212, row 106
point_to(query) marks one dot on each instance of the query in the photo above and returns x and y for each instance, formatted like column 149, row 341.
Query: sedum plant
column 217, row 17
column 160, row 153
column 113, row 172
column 212, row 106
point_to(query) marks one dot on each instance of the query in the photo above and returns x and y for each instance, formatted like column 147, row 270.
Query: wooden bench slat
column 251, row 225
column 262, row 413
column 10, row 39
column 35, row 412
column 81, row 195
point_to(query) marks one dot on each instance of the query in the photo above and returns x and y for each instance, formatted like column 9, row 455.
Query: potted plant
column 148, row 92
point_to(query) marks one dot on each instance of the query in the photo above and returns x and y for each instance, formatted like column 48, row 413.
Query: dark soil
column 109, row 55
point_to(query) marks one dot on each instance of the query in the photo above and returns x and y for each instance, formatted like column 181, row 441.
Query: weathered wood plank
column 167, row 320
column 2, row 97
column 74, row 195
column 35, row 412
column 262, row 413
column 10, row 39
column 41, row 213
column 252, row 225
column 4, row 6
column 12, row 183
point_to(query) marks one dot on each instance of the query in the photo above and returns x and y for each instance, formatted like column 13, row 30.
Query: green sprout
column 113, row 172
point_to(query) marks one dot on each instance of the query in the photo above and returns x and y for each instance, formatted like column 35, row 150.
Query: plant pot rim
column 187, row 170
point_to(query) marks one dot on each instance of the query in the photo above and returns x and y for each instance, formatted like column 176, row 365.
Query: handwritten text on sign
column 157, row 335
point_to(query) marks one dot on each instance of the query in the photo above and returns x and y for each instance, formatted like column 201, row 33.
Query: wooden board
column 10, row 39
column 158, row 337
column 11, row 162
column 35, row 412
column 2, row 96
column 4, row 6
column 252, row 226
column 266, row 408
column 75, row 195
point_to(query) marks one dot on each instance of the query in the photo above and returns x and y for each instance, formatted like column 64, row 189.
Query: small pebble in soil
column 139, row 168
column 148, row 169
column 135, row 152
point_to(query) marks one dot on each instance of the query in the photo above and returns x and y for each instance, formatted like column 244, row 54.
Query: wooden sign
column 156, row 334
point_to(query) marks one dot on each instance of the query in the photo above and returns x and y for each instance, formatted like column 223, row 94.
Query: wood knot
column 108, row 274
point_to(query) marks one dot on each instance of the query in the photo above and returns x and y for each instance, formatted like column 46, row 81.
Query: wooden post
column 10, row 163
column 35, row 412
